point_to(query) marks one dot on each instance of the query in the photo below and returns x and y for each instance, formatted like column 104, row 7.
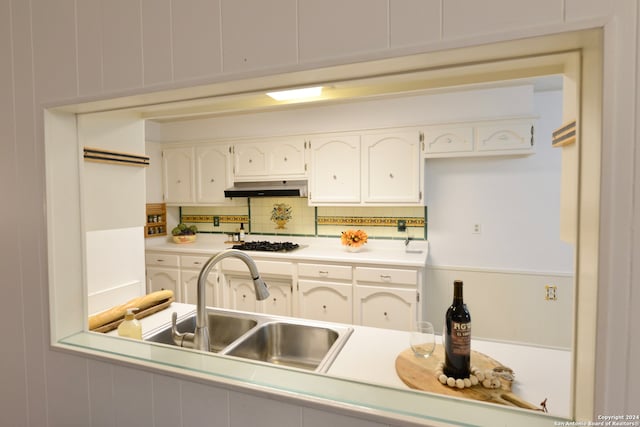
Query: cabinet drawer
column 387, row 275
column 167, row 260
column 193, row 261
column 322, row 271
column 264, row 267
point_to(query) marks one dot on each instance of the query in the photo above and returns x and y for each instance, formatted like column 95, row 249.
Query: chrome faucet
column 199, row 339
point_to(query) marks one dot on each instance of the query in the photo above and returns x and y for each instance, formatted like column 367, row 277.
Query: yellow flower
column 355, row 238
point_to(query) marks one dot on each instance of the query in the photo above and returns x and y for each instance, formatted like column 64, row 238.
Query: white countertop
column 369, row 355
column 317, row 249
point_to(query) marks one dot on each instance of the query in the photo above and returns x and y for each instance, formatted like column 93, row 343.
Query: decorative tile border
column 208, row 219
column 369, row 221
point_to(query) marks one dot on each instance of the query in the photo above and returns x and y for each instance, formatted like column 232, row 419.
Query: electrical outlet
column 550, row 292
column 216, row 221
column 402, row 225
column 476, row 229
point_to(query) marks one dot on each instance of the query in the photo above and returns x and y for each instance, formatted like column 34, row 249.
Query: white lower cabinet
column 382, row 307
column 163, row 273
column 280, row 300
column 325, row 292
column 328, row 301
column 161, row 279
column 190, row 267
column 240, row 295
column 386, row 297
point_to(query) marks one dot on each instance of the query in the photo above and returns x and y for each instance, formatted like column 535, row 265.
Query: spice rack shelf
column 156, row 220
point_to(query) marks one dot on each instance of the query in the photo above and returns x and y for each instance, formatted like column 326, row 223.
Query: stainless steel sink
column 296, row 343
column 223, row 329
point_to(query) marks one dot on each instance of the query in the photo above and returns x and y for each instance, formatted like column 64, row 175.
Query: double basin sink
column 297, row 343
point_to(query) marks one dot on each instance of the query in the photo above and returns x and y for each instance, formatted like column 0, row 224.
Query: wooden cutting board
column 419, row 373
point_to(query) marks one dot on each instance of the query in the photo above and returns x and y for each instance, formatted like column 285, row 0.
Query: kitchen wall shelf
column 156, row 220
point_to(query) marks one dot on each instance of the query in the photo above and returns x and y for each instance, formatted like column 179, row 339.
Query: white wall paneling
column 506, row 305
column 44, row 387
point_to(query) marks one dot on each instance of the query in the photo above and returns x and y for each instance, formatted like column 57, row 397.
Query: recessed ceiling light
column 288, row 95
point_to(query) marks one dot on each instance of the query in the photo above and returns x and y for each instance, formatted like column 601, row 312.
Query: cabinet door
column 439, row 140
column 240, row 294
column 328, row 301
column 287, row 158
column 279, row 301
column 505, row 135
column 391, row 165
column 189, row 290
column 177, row 169
column 213, row 173
column 382, row 307
column 250, row 160
column 160, row 279
column 335, row 170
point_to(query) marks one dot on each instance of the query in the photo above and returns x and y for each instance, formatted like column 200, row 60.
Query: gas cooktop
column 266, row 246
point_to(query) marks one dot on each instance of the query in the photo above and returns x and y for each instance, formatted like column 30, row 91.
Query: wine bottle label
column 461, row 338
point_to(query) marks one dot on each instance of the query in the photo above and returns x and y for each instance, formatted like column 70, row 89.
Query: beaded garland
column 487, row 378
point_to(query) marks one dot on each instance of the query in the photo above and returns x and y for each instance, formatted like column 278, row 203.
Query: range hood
column 267, row 189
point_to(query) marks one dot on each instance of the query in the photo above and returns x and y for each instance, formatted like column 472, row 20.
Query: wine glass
column 422, row 339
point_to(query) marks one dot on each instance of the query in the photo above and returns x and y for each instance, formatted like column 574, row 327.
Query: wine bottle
column 457, row 336
column 241, row 237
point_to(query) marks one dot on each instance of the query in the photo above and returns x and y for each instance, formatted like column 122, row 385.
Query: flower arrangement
column 354, row 238
column 281, row 214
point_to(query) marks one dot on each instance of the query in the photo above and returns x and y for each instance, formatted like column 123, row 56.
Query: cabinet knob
column 275, row 300
column 385, row 314
column 391, row 175
column 324, row 307
column 179, row 181
column 212, row 180
column 285, row 159
column 244, row 296
column 335, row 177
column 385, row 277
column 197, row 263
column 323, row 273
column 250, row 160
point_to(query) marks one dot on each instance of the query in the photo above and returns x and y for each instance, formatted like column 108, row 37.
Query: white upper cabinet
column 511, row 135
column 448, row 139
column 488, row 138
column 366, row 169
column 391, row 168
column 271, row 159
column 335, row 170
column 213, row 173
column 196, row 174
column 178, row 175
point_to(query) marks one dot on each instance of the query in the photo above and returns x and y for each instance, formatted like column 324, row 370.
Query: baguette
column 115, row 313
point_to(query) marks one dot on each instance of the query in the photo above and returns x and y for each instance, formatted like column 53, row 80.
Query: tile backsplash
column 292, row 216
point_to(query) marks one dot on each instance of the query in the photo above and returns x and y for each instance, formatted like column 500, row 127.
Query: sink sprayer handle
column 183, row 339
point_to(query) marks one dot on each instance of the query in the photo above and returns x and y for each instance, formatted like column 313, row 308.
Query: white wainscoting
column 505, row 305
column 115, row 267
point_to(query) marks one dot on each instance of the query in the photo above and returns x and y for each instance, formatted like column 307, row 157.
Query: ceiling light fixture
column 288, row 95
